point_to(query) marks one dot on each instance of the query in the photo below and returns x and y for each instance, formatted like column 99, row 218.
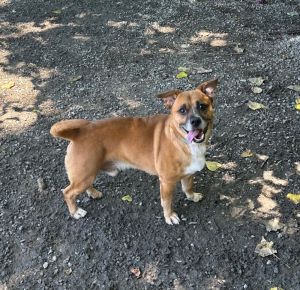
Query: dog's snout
column 195, row 121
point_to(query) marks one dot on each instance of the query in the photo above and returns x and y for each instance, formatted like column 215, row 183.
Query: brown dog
column 170, row 146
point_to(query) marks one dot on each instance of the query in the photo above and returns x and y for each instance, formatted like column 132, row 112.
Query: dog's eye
column 182, row 110
column 202, row 107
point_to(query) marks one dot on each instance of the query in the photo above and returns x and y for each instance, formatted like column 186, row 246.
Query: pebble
column 41, row 184
column 45, row 265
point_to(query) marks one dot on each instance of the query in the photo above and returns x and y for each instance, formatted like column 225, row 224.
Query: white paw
column 172, row 219
column 80, row 213
column 195, row 197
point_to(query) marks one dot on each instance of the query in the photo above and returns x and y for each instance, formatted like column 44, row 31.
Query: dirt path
column 100, row 58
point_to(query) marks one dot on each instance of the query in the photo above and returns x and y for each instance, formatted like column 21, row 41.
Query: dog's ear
column 169, row 97
column 208, row 88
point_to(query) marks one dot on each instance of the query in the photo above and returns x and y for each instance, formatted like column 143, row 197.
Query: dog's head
column 192, row 111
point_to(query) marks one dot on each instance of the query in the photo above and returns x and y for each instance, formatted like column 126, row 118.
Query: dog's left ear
column 208, row 88
column 169, row 97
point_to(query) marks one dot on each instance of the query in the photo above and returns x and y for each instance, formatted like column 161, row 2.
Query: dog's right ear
column 169, row 97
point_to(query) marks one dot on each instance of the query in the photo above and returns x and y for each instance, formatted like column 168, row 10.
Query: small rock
column 68, row 271
column 45, row 265
column 41, row 184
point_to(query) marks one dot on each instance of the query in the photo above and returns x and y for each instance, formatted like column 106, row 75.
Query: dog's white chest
column 198, row 158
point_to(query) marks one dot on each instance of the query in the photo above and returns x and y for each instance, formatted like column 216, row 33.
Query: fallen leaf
column 75, row 79
column 136, row 272
column 256, row 81
column 202, row 70
column 276, row 288
column 295, row 198
column 213, row 165
column 181, row 75
column 293, row 13
column 256, row 90
column 238, row 49
column 247, row 153
column 255, row 106
column 265, row 248
column 183, row 68
column 8, row 85
column 127, row 198
column 294, row 88
column 56, row 11
column 274, row 225
column 297, row 104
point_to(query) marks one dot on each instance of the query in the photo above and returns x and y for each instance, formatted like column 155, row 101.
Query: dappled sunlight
column 23, row 29
column 229, row 165
column 212, row 38
column 150, row 274
column 270, row 187
column 155, row 27
column 121, row 24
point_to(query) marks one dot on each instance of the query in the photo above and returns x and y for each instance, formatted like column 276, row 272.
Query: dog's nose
column 195, row 121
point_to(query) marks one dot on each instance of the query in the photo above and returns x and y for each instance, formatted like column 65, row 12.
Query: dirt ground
column 99, row 58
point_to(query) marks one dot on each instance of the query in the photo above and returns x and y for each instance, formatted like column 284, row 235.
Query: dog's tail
column 68, row 129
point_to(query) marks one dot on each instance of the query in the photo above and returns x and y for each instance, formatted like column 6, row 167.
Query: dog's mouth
column 196, row 135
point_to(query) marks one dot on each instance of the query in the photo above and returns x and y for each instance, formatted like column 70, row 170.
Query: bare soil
column 98, row 58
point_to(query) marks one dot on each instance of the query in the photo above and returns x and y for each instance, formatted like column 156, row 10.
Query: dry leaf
column 202, row 70
column 247, row 153
column 8, row 85
column 276, row 288
column 181, row 75
column 238, row 49
column 57, row 11
column 274, row 225
column 255, row 106
column 213, row 165
column 75, row 79
column 265, row 248
column 256, row 90
column 295, row 198
column 136, row 272
column 256, row 81
column 183, row 68
column 297, row 104
column 127, row 198
column 293, row 13
column 294, row 88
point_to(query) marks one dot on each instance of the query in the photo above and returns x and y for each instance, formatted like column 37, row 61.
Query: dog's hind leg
column 94, row 193
column 187, row 188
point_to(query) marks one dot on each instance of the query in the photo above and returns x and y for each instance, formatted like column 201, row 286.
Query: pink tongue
column 191, row 135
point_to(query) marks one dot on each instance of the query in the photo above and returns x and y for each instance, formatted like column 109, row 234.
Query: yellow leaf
column 295, row 198
column 213, row 165
column 181, row 75
column 8, row 85
column 255, row 106
column 247, row 153
column 297, row 104
column 127, row 198
column 276, row 288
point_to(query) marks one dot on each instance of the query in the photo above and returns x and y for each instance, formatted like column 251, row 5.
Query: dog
column 170, row 146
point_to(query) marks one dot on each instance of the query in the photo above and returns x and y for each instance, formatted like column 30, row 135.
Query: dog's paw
column 195, row 196
column 172, row 219
column 80, row 213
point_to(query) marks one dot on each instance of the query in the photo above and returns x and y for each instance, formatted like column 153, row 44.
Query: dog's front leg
column 187, row 187
column 166, row 196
